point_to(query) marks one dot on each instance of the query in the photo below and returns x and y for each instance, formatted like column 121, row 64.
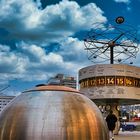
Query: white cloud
column 4, row 48
column 32, row 63
column 9, row 62
column 25, row 21
column 33, row 27
column 124, row 1
column 72, row 50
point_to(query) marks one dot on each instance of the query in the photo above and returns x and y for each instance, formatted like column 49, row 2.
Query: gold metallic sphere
column 52, row 113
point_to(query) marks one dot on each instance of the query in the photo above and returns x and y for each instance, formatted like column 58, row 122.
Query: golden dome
column 52, row 113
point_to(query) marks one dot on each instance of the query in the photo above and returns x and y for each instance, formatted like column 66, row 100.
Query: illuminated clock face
column 110, row 81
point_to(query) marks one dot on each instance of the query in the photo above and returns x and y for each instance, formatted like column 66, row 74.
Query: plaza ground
column 128, row 135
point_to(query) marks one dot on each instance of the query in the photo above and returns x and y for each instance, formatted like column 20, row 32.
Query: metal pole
column 111, row 54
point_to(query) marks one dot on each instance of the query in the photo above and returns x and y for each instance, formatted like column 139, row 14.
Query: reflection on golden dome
column 52, row 113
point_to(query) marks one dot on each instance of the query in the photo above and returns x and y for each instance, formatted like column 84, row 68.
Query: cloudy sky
column 40, row 38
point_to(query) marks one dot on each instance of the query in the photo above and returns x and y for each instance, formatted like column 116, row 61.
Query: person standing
column 111, row 120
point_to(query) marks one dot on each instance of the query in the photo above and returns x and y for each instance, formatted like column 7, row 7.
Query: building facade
column 61, row 79
column 4, row 100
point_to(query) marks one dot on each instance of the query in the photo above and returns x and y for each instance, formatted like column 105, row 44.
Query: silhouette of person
column 111, row 120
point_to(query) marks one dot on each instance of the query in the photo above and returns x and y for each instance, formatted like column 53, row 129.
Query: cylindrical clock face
column 118, row 82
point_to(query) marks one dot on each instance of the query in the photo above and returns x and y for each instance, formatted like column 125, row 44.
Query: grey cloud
column 123, row 1
column 73, row 51
column 33, row 28
column 25, row 21
column 32, row 60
